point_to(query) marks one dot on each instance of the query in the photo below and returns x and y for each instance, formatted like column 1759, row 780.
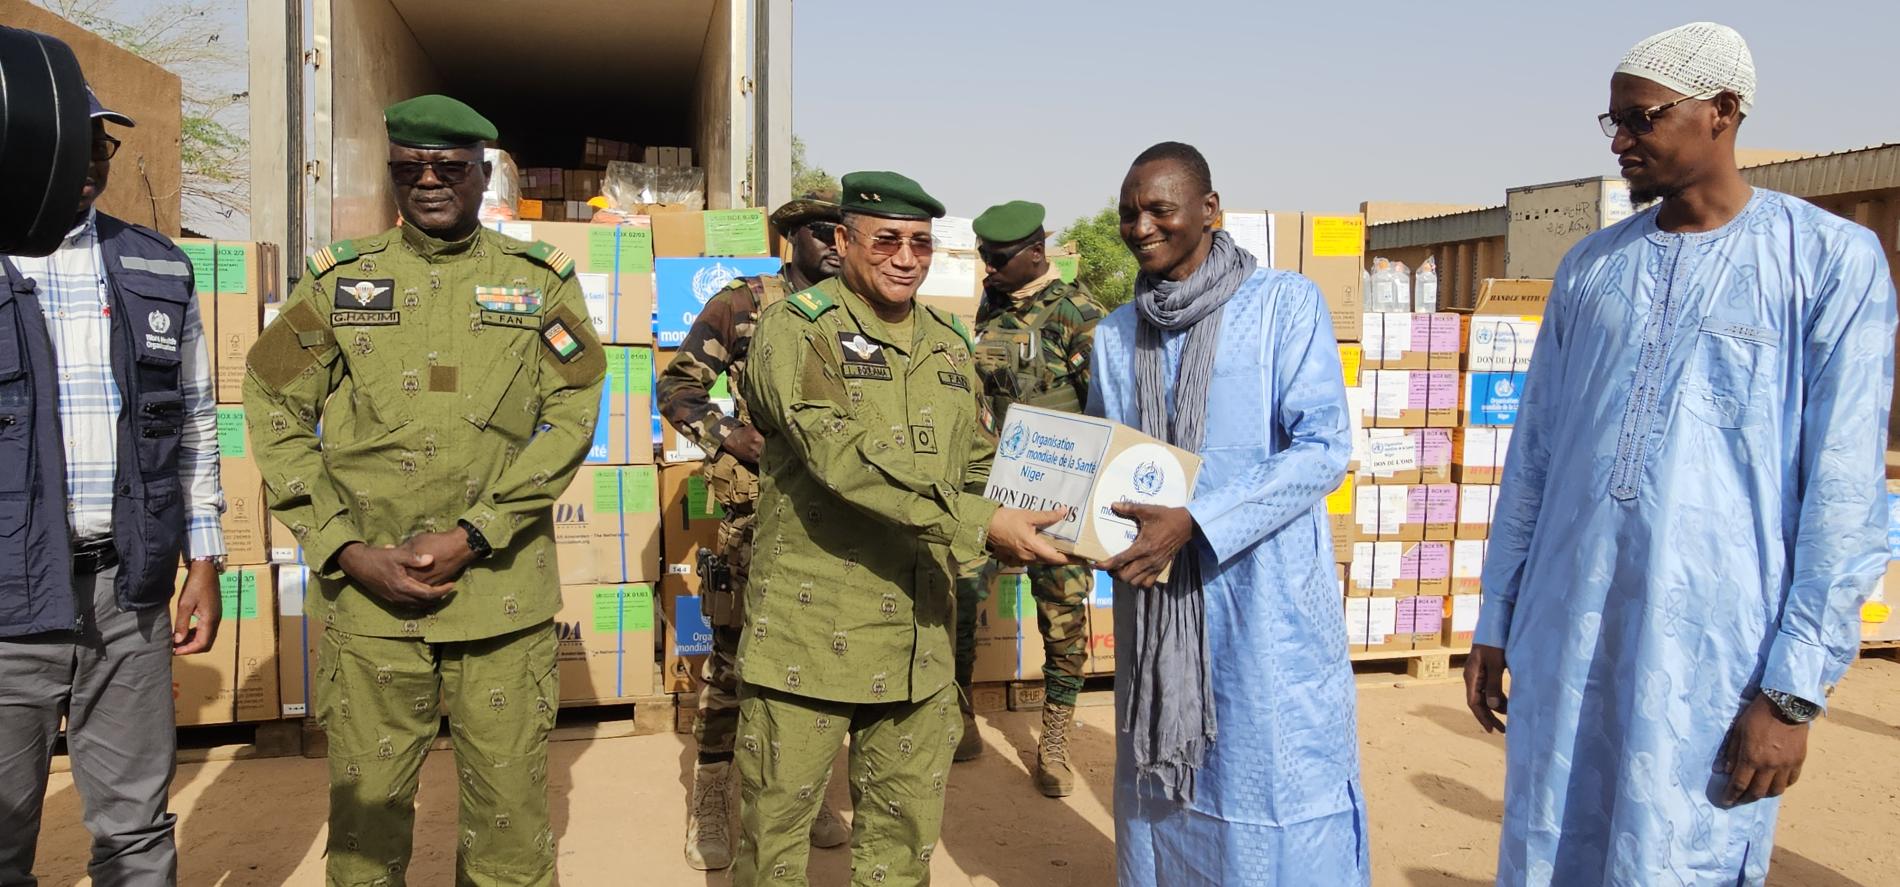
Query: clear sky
column 1315, row 105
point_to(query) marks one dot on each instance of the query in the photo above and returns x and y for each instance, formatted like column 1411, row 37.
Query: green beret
column 803, row 209
column 436, row 122
column 1009, row 222
column 889, row 195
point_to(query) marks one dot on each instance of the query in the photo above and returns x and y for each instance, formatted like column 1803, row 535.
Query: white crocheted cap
column 1694, row 59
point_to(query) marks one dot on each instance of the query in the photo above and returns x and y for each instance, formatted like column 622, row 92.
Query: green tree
column 185, row 38
column 1107, row 268
column 808, row 179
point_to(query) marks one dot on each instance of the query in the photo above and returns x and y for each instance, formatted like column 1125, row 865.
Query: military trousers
column 899, row 766
column 112, row 680
column 1062, row 615
column 380, row 700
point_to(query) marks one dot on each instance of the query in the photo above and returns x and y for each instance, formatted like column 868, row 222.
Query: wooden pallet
column 1889, row 649
column 1430, row 664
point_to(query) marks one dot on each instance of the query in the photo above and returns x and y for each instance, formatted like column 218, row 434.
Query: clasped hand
column 417, row 574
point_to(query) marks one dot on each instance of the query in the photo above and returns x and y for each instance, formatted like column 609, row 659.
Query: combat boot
column 971, row 745
column 828, row 830
column 709, row 819
column 1054, row 778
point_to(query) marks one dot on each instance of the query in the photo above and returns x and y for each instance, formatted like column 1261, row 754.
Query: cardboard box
column 297, row 638
column 613, row 265
column 1477, row 454
column 733, row 233
column 1405, row 455
column 1352, row 359
column 284, row 547
column 1339, row 519
column 690, row 519
column 1546, row 220
column 1434, row 455
column 688, row 638
column 1476, row 503
column 1512, row 297
column 1413, row 398
column 1425, row 622
column 669, row 156
column 1461, row 620
column 1049, row 459
column 1008, row 641
column 1386, row 513
column 1332, row 255
column 240, row 276
column 1434, row 567
column 1371, row 623
column 1102, row 625
column 581, row 184
column 1440, row 506
column 1491, row 399
column 684, row 286
column 250, row 624
column 543, row 183
column 607, row 526
column 1375, row 569
column 245, row 511
column 1500, row 344
column 1410, row 341
column 605, row 635
column 1467, row 566
column 623, row 433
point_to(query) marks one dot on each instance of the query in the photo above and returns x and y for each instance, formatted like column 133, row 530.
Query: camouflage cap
column 889, row 195
column 811, row 206
column 436, row 122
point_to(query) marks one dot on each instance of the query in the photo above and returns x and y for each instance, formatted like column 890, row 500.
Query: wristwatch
column 216, row 561
column 1790, row 708
column 477, row 542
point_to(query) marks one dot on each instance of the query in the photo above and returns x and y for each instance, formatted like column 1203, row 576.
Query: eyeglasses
column 886, row 244
column 1642, row 121
column 448, row 172
column 997, row 258
column 104, row 147
column 826, row 232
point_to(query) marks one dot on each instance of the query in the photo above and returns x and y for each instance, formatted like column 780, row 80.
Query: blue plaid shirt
column 73, row 296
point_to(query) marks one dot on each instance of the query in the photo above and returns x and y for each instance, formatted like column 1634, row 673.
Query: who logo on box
column 1014, row 443
column 682, row 288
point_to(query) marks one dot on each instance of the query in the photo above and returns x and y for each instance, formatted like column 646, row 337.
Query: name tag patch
column 866, row 371
column 509, row 299
column 1736, row 330
column 508, row 319
column 365, row 295
column 863, row 358
column 954, row 380
column 559, row 340
column 365, row 318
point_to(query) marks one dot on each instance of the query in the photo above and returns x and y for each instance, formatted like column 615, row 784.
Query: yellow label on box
column 1340, row 501
column 1339, row 236
column 1349, row 359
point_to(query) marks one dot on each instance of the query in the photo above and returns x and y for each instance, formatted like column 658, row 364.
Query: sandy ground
column 1433, row 780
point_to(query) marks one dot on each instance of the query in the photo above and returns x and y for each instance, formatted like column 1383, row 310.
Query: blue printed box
column 1492, row 398
column 686, row 285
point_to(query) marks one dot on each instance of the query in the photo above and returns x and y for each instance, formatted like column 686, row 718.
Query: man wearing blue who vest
column 108, row 435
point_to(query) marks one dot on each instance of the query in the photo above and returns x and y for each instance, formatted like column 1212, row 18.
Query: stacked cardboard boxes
column 1433, row 398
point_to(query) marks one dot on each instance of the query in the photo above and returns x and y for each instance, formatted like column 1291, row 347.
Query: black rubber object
column 45, row 141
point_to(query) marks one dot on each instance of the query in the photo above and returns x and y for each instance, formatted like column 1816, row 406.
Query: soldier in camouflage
column 456, row 381
column 718, row 344
column 877, row 449
column 1033, row 334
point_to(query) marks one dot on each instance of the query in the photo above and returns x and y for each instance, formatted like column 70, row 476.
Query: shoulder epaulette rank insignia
column 812, row 303
column 331, row 256
column 552, row 256
column 956, row 323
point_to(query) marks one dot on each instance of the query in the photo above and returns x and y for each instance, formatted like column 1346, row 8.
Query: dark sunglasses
column 887, row 244
column 826, row 232
column 1642, row 121
column 448, row 172
column 997, row 258
column 104, row 147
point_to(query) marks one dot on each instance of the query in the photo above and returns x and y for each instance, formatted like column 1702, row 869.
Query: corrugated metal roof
column 1475, row 224
column 1843, row 172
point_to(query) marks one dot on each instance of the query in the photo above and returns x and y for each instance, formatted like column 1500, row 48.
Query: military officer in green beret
column 455, row 382
column 1033, row 333
column 877, row 447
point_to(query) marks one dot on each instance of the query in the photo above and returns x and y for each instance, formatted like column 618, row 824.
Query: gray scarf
column 1170, row 713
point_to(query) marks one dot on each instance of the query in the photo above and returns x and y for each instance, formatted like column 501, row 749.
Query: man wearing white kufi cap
column 1694, row 505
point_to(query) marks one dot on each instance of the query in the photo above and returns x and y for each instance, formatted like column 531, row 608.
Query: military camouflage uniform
column 875, row 459
column 1037, row 352
column 451, row 381
column 717, row 343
